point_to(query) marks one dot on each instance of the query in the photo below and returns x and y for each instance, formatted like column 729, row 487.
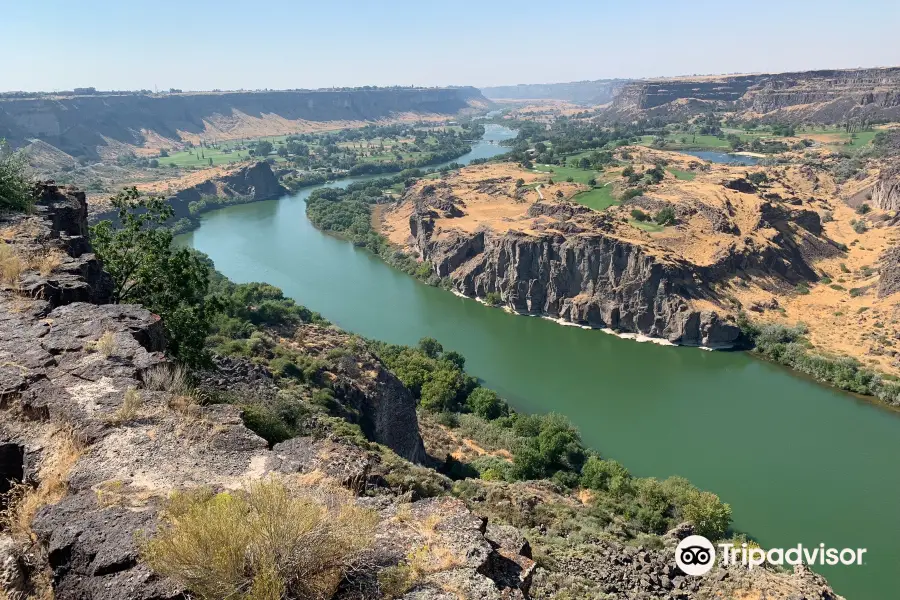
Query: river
column 799, row 462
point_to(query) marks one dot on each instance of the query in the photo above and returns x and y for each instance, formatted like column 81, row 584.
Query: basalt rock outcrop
column 889, row 273
column 886, row 192
column 590, row 279
column 67, row 364
column 827, row 96
column 248, row 184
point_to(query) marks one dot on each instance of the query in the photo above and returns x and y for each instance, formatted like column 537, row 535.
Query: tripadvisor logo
column 696, row 555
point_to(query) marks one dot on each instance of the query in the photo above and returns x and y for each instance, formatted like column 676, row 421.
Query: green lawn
column 598, row 198
column 192, row 158
column 683, row 175
column 691, row 141
column 649, row 226
column 558, row 173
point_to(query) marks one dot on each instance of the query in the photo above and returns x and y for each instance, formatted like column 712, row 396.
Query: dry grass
column 395, row 581
column 48, row 262
column 11, row 265
column 167, row 378
column 105, row 345
column 110, row 493
column 262, row 544
column 130, row 408
column 184, row 398
column 24, row 500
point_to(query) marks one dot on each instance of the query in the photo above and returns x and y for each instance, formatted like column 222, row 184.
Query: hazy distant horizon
column 521, row 83
column 282, row 44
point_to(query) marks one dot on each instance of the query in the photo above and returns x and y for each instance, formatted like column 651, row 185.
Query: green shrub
column 493, row 298
column 639, row 215
column 263, row 421
column 599, row 474
column 632, row 193
column 665, row 216
column 16, row 184
column 486, row 404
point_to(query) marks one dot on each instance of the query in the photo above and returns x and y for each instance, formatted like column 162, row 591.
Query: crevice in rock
column 12, row 469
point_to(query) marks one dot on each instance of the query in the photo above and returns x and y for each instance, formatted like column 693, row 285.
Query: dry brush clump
column 174, row 380
column 47, row 262
column 11, row 265
column 105, row 344
column 262, row 543
column 129, row 409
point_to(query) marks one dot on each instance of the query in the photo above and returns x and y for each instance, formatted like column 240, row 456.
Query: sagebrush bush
column 263, row 543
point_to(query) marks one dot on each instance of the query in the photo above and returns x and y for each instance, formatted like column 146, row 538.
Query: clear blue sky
column 229, row 44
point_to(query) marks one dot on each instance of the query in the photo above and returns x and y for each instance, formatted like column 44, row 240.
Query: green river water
column 799, row 462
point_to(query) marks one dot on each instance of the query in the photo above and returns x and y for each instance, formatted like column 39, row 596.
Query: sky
column 228, row 44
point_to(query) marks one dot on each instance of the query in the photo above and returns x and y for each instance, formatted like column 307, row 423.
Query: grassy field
column 563, row 173
column 839, row 137
column 673, row 140
column 192, row 158
column 683, row 175
column 649, row 226
column 598, row 198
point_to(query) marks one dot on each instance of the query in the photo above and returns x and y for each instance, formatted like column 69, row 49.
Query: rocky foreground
column 97, row 430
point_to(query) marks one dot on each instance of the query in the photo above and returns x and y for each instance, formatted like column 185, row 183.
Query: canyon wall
column 79, row 124
column 827, row 96
column 886, row 192
column 247, row 184
column 600, row 91
column 593, row 280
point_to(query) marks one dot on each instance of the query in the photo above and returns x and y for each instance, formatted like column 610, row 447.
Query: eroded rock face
column 889, row 273
column 886, row 193
column 247, row 184
column 821, row 96
column 594, row 280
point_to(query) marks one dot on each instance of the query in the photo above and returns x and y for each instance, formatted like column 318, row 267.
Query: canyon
column 98, row 473
column 88, row 125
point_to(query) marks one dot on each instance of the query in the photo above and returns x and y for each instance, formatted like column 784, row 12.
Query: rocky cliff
column 247, row 184
column 545, row 255
column 886, row 192
column 593, row 280
column 580, row 92
column 828, row 96
column 79, row 125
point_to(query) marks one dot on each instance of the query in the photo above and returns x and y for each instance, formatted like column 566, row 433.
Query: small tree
column 487, row 404
column 263, row 148
column 138, row 255
column 430, row 347
column 665, row 216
